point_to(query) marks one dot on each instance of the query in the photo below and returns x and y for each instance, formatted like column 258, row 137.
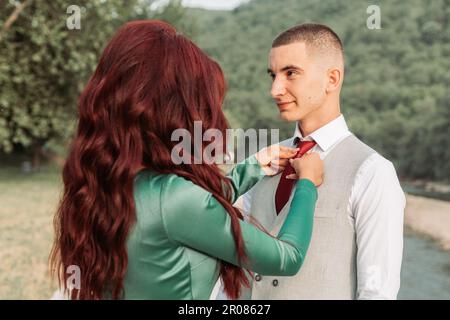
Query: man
column 357, row 242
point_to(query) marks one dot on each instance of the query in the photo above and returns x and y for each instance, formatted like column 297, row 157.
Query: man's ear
column 334, row 79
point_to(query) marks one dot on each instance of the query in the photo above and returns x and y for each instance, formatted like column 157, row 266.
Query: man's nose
column 278, row 88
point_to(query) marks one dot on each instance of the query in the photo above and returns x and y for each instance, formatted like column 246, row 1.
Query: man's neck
column 311, row 124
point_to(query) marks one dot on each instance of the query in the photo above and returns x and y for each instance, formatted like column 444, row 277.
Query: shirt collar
column 327, row 135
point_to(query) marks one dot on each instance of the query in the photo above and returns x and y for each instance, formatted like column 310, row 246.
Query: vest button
column 258, row 277
column 275, row 282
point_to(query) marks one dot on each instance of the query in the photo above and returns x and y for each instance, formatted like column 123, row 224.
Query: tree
column 45, row 60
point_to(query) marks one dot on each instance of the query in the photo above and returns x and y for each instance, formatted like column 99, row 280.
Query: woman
column 137, row 225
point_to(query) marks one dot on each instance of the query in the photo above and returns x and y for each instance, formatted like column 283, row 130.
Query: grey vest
column 329, row 269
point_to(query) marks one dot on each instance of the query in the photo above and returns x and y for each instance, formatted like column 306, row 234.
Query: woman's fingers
column 291, row 176
column 286, row 152
column 279, row 162
column 276, row 157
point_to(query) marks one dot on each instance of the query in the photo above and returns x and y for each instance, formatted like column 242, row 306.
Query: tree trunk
column 36, row 158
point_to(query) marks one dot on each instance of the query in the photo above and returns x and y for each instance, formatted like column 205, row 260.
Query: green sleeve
column 305, row 189
column 244, row 176
column 194, row 218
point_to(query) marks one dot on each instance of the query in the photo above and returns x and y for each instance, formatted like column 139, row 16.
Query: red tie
column 285, row 186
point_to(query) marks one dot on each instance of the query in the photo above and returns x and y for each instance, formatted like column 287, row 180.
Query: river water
column 425, row 269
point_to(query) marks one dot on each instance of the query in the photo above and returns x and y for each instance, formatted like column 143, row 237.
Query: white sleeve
column 377, row 203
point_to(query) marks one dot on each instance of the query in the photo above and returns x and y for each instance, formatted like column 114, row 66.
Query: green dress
column 182, row 231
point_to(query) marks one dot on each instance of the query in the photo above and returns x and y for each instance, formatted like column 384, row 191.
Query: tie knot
column 304, row 146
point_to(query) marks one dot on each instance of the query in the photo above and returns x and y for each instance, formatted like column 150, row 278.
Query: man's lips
column 283, row 105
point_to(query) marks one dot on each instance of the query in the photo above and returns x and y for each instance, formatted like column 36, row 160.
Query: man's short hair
column 316, row 37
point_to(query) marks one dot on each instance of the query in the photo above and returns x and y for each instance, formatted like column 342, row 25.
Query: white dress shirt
column 375, row 210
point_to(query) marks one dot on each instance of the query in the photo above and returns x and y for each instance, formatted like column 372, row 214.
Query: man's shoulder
column 372, row 153
column 377, row 166
column 374, row 166
column 354, row 141
column 352, row 149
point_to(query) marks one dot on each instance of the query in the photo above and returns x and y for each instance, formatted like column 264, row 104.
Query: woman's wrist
column 306, row 185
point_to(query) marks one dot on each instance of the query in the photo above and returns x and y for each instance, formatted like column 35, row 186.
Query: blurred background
column 395, row 98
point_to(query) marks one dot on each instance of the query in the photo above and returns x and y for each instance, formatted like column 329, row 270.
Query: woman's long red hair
column 149, row 82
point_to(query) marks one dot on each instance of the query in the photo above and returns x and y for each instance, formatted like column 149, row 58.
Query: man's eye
column 290, row 73
column 272, row 76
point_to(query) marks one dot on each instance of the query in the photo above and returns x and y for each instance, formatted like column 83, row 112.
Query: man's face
column 299, row 82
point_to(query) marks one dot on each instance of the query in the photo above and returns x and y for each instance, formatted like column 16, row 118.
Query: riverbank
column 430, row 218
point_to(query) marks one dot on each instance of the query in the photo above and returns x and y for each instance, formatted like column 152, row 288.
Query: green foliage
column 172, row 12
column 44, row 65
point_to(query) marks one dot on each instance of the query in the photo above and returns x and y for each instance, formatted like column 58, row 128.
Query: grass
column 27, row 205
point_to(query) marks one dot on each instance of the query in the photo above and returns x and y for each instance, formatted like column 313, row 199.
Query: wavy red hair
column 149, row 82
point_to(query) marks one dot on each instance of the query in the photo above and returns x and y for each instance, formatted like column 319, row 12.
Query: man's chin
column 288, row 116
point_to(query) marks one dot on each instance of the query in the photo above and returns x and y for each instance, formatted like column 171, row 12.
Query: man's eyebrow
column 291, row 66
column 269, row 71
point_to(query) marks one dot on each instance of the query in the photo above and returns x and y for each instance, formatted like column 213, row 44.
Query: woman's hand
column 275, row 158
column 310, row 166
